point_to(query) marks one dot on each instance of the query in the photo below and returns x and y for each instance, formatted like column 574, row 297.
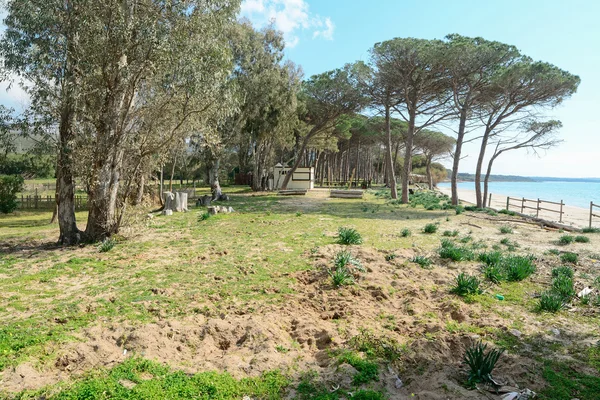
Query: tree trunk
column 289, row 174
column 459, row 142
column 213, row 174
column 390, row 162
column 140, row 190
column 428, row 169
column 484, row 142
column 408, row 157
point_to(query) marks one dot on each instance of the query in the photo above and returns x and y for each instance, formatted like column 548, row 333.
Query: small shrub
column 491, row 258
column 554, row 252
column 466, row 239
column 349, row 236
column 590, row 230
column 204, row 216
column 341, row 277
column 518, row 268
column 459, row 210
column 423, row 261
column 506, row 229
column 507, row 212
column 562, row 271
column 106, row 245
column 456, row 254
column 569, row 257
column 344, row 259
column 390, row 257
column 566, row 239
column 367, row 371
column 375, row 346
column 582, row 239
column 405, row 232
column 494, row 273
column 550, row 301
column 563, row 286
column 447, row 243
column 466, row 285
column 430, row 228
column 480, row 363
column 491, row 212
column 10, row 185
column 298, row 214
column 453, row 233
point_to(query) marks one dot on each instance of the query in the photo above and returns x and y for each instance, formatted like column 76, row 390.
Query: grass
column 366, row 370
column 481, row 363
column 569, row 257
column 506, row 229
column 564, row 382
column 405, row 232
column 423, row 261
column 204, row 216
column 345, row 259
column 450, row 251
column 341, row 276
column 590, row 230
column 566, row 239
column 562, row 271
column 168, row 384
column 466, row 285
column 582, row 239
column 453, row 233
column 349, row 236
column 106, row 245
column 430, row 228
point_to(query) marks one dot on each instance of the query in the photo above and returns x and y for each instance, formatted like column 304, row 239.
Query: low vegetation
column 481, row 363
column 349, row 236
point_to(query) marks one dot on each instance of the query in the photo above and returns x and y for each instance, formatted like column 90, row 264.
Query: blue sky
column 565, row 33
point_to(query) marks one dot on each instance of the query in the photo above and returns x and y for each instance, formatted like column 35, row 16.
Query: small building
column 303, row 177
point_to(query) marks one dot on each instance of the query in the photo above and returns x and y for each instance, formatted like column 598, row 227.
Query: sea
column 577, row 193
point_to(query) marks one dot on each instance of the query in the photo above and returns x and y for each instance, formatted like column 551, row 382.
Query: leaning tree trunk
column 459, row 142
column 428, row 171
column 478, row 194
column 140, row 190
column 213, row 176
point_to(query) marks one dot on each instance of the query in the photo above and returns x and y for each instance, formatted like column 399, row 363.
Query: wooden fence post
column 490, row 201
column 522, row 205
column 561, row 211
column 591, row 212
column 507, row 202
column 35, row 199
column 537, row 209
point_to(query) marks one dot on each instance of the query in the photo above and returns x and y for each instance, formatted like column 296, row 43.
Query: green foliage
column 590, row 230
column 554, row 252
column 390, row 257
column 349, row 236
column 341, row 276
column 569, row 257
column 518, row 267
column 466, row 285
column 167, row 384
column 450, row 251
column 430, row 228
column 480, row 363
column 550, row 301
column 491, row 258
column 565, row 382
column 429, row 200
column 566, row 239
column 459, row 209
column 367, row 371
column 204, row 216
column 453, row 233
column 405, row 232
column 423, row 261
column 563, row 286
column 582, row 239
column 506, row 229
column 344, row 259
column 562, row 271
column 494, row 273
column 507, row 212
column 107, row 245
column 10, row 185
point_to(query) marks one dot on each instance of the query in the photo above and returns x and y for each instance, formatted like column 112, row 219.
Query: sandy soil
column 575, row 216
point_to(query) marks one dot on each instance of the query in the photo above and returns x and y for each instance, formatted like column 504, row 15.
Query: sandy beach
column 574, row 216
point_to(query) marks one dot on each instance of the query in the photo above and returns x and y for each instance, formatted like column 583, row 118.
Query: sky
column 326, row 34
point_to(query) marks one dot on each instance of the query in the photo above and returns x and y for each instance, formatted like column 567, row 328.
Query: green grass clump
column 507, row 212
column 554, row 252
column 107, row 245
column 450, row 251
column 430, row 228
column 344, row 259
column 459, row 209
column 349, row 236
column 518, row 267
column 341, row 276
column 423, row 261
column 429, row 200
column 491, row 258
column 590, row 230
column 565, row 382
column 367, row 371
column 494, row 273
column 562, row 271
column 582, row 239
column 480, row 363
column 550, row 301
column 453, row 233
column 569, row 257
column 380, row 347
column 204, row 216
column 405, row 232
column 566, row 239
column 506, row 229
column 563, row 286
column 498, row 267
column 466, row 285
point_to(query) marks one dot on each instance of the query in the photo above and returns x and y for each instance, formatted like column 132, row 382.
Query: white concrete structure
column 303, row 178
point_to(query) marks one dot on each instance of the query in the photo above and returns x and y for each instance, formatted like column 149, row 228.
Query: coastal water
column 577, row 194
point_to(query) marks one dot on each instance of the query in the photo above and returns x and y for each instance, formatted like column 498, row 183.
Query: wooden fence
column 592, row 205
column 526, row 204
column 35, row 202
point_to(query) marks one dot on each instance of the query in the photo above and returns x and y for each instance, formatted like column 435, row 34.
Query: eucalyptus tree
column 415, row 69
column 532, row 136
column 327, row 97
column 471, row 64
column 113, row 69
column 433, row 145
column 518, row 92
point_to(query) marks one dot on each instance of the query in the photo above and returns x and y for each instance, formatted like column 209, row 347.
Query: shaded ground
column 249, row 293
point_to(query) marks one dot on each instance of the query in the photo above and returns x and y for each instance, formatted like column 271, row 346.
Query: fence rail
column 36, row 202
column 525, row 205
column 592, row 205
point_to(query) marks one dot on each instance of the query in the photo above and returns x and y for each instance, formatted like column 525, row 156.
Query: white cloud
column 290, row 17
